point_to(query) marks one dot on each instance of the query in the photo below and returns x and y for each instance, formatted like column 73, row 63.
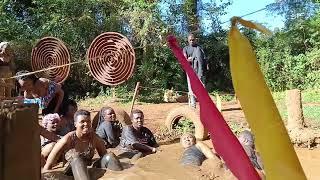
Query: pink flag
column 224, row 141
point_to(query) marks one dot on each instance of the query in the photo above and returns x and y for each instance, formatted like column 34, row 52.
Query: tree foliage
column 289, row 59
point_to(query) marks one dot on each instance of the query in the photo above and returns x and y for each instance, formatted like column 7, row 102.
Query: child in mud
column 108, row 128
column 137, row 140
column 246, row 139
column 195, row 152
column 80, row 146
column 67, row 121
column 50, row 122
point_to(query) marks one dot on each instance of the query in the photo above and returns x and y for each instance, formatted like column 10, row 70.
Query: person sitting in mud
column 108, row 128
column 246, row 139
column 137, row 140
column 67, row 122
column 50, row 122
column 80, row 146
column 195, row 152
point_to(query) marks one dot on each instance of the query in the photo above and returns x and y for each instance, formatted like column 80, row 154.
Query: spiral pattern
column 50, row 52
column 111, row 58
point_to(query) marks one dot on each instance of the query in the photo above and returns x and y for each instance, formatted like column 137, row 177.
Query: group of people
column 134, row 141
column 67, row 133
column 77, row 147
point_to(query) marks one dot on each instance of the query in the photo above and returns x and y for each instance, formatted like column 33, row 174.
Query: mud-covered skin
column 78, row 166
column 192, row 156
column 246, row 138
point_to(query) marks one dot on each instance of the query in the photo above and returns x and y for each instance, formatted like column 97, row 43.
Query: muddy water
column 310, row 161
column 159, row 166
column 165, row 165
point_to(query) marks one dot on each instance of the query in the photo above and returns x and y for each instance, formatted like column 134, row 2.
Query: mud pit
column 165, row 164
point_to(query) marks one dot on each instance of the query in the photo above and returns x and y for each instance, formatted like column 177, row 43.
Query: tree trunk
column 294, row 108
column 190, row 9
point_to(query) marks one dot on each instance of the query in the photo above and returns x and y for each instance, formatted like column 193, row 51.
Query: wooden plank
column 20, row 140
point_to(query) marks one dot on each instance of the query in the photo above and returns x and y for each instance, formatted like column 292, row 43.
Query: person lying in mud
column 109, row 128
column 195, row 152
column 67, row 121
column 80, row 146
column 246, row 139
column 50, row 122
column 137, row 140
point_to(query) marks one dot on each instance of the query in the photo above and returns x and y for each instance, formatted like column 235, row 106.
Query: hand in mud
column 158, row 149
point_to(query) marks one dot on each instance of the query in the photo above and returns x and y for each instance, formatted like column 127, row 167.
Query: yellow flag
column 272, row 139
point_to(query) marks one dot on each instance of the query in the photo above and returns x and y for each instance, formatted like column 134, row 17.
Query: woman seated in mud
column 46, row 93
column 195, row 152
column 50, row 122
column 67, row 122
column 80, row 146
column 137, row 140
column 246, row 139
column 109, row 128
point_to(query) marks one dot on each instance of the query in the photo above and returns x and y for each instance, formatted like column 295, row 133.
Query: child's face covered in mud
column 187, row 140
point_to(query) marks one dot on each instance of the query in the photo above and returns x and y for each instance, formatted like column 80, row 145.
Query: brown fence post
column 136, row 92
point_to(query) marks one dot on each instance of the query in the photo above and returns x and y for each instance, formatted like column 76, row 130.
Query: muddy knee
column 79, row 169
column 111, row 162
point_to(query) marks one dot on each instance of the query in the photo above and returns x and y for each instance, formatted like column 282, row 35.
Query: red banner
column 224, row 141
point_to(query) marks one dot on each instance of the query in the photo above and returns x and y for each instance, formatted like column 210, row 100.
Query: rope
column 160, row 89
column 249, row 13
column 42, row 70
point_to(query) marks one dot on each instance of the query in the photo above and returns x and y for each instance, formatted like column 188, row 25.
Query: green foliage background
column 289, row 59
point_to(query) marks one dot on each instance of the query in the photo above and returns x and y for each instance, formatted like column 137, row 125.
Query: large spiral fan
column 51, row 52
column 111, row 58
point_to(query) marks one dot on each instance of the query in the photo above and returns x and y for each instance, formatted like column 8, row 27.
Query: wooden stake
column 218, row 102
column 136, row 92
column 294, row 108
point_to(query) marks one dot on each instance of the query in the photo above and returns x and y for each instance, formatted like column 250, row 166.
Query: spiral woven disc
column 50, row 52
column 111, row 58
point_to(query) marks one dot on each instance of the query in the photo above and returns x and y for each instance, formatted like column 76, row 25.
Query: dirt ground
column 165, row 164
